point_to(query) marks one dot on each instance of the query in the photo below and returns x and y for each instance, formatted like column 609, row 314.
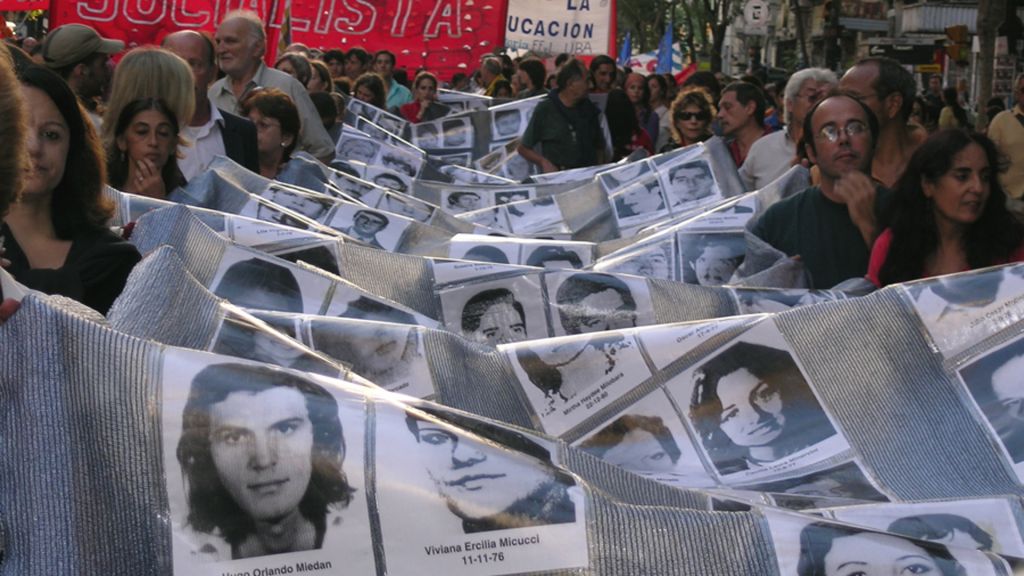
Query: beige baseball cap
column 71, row 43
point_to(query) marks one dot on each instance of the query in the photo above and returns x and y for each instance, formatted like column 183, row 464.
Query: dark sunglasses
column 693, row 116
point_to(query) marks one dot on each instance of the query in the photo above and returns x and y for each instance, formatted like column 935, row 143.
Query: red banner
column 23, row 5
column 444, row 36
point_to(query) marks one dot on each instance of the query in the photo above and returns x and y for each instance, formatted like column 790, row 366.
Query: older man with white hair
column 770, row 156
column 241, row 45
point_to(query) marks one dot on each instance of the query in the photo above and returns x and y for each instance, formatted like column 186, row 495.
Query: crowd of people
column 903, row 185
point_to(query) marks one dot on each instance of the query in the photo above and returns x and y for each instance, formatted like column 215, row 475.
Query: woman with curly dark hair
column 142, row 158
column 949, row 213
column 370, row 89
column 56, row 235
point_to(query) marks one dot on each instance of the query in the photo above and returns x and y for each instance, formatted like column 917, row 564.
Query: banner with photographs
column 270, row 339
column 264, row 470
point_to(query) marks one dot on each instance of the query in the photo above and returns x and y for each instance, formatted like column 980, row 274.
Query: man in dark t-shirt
column 565, row 129
column 832, row 227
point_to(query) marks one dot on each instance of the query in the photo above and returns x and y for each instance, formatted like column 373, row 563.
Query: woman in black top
column 55, row 234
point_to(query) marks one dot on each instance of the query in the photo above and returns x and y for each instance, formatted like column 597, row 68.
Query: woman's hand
column 144, row 179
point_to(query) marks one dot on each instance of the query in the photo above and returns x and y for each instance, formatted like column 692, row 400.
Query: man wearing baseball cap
column 82, row 57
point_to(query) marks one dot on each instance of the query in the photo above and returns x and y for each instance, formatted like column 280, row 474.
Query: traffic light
column 959, row 45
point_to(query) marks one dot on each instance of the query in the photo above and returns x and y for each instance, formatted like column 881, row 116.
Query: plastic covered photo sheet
column 836, row 485
column 250, row 279
column 509, row 121
column 392, row 356
column 961, row 309
column 568, row 379
column 809, row 545
column 985, row 524
column 729, row 214
column 460, row 200
column 473, row 498
column 272, row 339
column 270, row 236
column 649, row 438
column 639, row 204
column 496, row 311
column 772, row 300
column 651, row 259
column 407, row 206
column 264, row 469
column 620, row 176
column 535, row 216
column 369, row 226
column 753, row 409
column 517, row 168
column 522, row 251
column 584, row 301
column 993, row 382
column 464, row 175
column 710, row 258
column 688, row 180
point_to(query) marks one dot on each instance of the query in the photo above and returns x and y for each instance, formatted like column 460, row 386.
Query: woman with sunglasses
column 691, row 114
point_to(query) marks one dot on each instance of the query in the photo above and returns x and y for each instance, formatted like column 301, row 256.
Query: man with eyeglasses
column 1007, row 131
column 832, row 227
column 888, row 90
column 770, row 156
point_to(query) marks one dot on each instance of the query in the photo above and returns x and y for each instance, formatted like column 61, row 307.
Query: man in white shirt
column 241, row 44
column 210, row 132
column 772, row 155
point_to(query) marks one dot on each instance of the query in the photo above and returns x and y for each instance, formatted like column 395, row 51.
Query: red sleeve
column 1018, row 255
column 410, row 111
column 879, row 252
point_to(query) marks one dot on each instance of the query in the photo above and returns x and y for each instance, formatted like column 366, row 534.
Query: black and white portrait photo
column 711, row 259
column 389, row 179
column 655, row 260
column 830, row 549
column 371, row 227
column 458, row 133
column 510, row 196
column 475, row 248
column 584, row 302
column 427, row 135
column 751, row 406
column 649, row 438
column 536, row 217
column 261, row 462
column 307, row 204
column 251, row 282
column 461, row 201
column 689, row 182
column 459, row 479
column 241, row 338
column 553, row 257
column 994, row 382
column 639, row 202
column 516, row 168
column 630, row 173
column 983, row 524
column 392, row 124
column 507, row 124
column 389, row 355
column 960, row 309
column 493, row 313
column 407, row 206
column 364, row 150
column 399, row 162
column 753, row 409
column 349, row 302
column 570, row 378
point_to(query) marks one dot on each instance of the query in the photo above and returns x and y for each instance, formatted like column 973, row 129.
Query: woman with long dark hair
column 56, row 235
column 949, row 213
column 142, row 158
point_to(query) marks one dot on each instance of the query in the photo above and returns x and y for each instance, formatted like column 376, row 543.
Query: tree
column 704, row 23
